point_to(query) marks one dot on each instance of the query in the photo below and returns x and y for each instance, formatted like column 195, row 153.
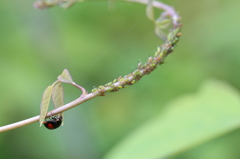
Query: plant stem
column 121, row 82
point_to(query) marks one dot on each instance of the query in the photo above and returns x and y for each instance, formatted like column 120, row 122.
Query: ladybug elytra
column 53, row 122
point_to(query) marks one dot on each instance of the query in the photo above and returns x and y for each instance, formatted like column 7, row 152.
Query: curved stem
column 169, row 11
column 121, row 82
column 84, row 92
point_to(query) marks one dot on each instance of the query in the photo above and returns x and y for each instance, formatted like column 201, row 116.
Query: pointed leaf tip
column 65, row 77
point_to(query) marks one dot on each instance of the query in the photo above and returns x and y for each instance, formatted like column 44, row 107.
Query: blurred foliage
column 97, row 45
column 186, row 122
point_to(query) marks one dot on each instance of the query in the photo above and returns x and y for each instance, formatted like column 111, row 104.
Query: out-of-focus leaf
column 67, row 4
column 150, row 10
column 45, row 103
column 187, row 122
column 65, row 77
column 161, row 35
column 111, row 5
column 163, row 23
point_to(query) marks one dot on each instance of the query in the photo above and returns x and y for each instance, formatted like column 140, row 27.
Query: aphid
column 53, row 122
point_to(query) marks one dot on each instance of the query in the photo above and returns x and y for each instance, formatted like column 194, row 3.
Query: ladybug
column 53, row 122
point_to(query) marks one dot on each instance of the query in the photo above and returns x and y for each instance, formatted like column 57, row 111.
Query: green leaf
column 163, row 23
column 150, row 10
column 57, row 95
column 111, row 5
column 160, row 34
column 186, row 123
column 65, row 77
column 45, row 104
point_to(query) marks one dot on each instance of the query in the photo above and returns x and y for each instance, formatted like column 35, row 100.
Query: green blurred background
column 97, row 44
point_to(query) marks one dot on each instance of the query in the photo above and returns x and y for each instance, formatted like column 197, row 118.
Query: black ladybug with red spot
column 53, row 122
